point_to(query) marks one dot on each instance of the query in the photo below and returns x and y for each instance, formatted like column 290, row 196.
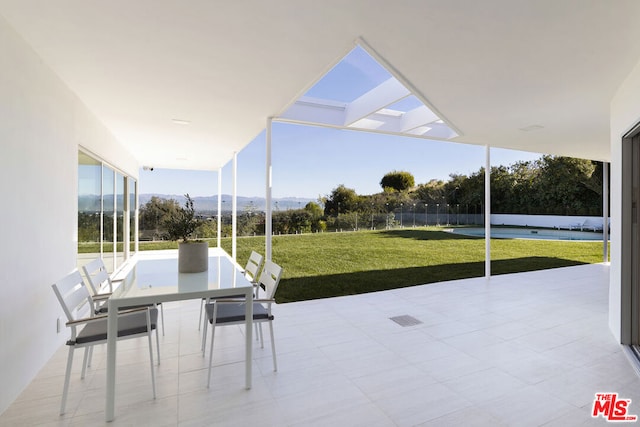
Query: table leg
column 112, row 333
column 249, row 336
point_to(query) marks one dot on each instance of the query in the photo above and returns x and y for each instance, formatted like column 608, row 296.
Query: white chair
column 232, row 311
column 102, row 286
column 250, row 272
column 76, row 302
column 252, row 269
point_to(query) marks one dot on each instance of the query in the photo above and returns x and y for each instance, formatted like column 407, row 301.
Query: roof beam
column 417, row 117
column 308, row 109
column 376, row 99
column 440, row 131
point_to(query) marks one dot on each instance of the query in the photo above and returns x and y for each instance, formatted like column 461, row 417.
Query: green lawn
column 333, row 264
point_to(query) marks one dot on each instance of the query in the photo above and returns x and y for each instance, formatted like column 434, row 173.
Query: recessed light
column 532, row 127
column 181, row 122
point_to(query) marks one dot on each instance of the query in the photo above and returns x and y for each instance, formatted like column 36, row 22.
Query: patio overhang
column 186, row 87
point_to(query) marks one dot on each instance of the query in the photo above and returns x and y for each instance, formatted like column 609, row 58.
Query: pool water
column 529, row 233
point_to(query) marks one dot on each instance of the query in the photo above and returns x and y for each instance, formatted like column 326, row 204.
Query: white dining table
column 153, row 278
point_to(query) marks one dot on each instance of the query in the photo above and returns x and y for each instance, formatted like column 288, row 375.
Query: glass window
column 121, row 233
column 89, row 208
column 106, row 213
column 108, row 224
column 132, row 208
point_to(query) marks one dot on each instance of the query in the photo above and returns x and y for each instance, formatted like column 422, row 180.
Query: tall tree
column 398, row 181
column 314, row 209
column 156, row 211
column 432, row 192
column 341, row 200
column 565, row 185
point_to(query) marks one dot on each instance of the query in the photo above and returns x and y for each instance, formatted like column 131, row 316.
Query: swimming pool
column 529, row 233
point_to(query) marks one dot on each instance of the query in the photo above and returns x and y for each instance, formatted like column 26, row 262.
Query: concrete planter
column 193, row 257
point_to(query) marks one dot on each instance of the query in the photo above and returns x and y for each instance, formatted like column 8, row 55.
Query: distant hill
column 91, row 203
column 210, row 203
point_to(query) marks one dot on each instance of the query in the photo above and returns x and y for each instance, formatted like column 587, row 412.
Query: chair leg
column 202, row 302
column 205, row 324
column 255, row 296
column 213, row 334
column 259, row 326
column 67, row 375
column 90, row 357
column 85, row 361
column 158, row 344
column 273, row 347
column 162, row 316
column 153, row 374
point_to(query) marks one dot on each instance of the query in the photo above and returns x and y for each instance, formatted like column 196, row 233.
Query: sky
column 310, row 161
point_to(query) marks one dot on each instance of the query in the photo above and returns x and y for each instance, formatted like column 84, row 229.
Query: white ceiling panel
column 491, row 68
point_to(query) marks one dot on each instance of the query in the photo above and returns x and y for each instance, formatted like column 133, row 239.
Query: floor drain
column 405, row 320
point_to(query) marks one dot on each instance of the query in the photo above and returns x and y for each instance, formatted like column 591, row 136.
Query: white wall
column 41, row 125
column 625, row 113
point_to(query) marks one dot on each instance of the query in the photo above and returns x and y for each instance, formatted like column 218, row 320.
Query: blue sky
column 311, row 161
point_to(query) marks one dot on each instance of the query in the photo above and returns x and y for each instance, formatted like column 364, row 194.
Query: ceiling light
column 181, row 122
column 532, row 127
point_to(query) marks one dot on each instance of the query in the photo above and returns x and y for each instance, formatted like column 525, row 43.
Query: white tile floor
column 519, row 350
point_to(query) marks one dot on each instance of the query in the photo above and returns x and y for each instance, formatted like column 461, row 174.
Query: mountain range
column 91, row 203
column 210, row 203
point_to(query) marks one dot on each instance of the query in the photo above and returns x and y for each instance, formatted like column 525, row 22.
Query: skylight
column 359, row 93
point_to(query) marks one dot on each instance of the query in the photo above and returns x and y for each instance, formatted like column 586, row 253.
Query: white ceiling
column 490, row 68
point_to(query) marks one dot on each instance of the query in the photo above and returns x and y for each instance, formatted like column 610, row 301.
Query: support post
column 487, row 212
column 268, row 226
column 219, row 231
column 234, row 207
column 136, row 226
column 605, row 212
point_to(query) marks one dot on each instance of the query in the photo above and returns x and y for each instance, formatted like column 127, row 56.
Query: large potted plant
column 193, row 255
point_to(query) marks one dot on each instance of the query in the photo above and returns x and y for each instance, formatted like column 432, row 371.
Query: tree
column 88, row 227
column 301, row 221
column 502, row 190
column 154, row 214
column 207, row 229
column 524, row 175
column 565, row 185
column 314, row 210
column 183, row 222
column 249, row 223
column 316, row 213
column 341, row 200
column 398, row 181
column 432, row 192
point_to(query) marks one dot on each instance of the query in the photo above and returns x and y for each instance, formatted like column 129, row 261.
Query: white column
column 234, row 207
column 126, row 223
column 605, row 212
column 136, row 227
column 268, row 226
column 219, row 232
column 487, row 213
